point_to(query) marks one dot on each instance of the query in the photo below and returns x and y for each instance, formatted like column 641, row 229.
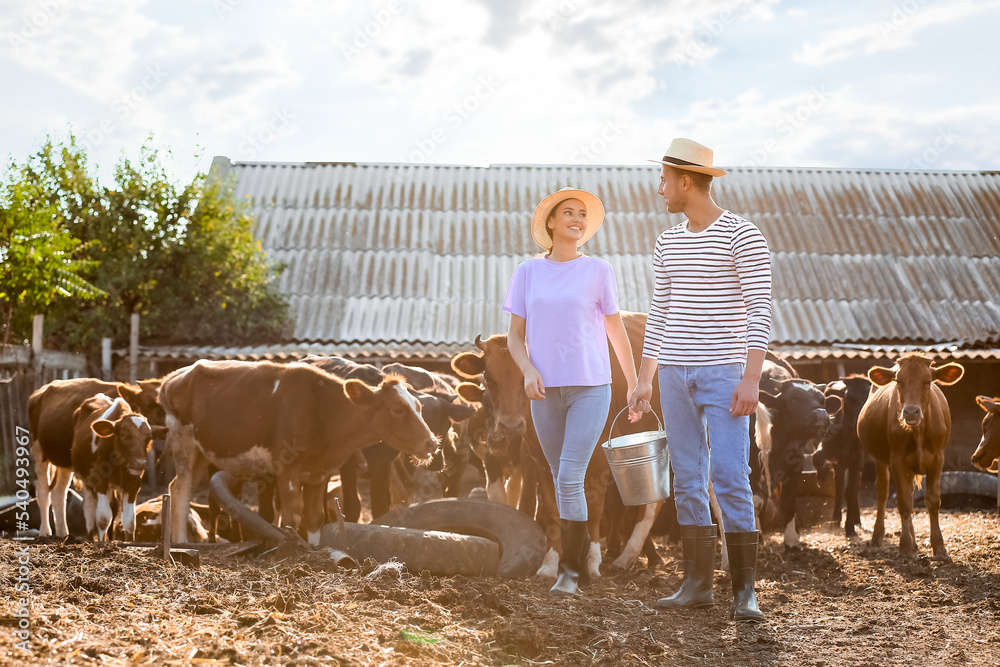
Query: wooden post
column 165, row 523
column 106, row 359
column 133, row 350
column 37, row 342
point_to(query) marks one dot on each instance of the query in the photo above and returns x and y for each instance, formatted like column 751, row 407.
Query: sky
column 901, row 84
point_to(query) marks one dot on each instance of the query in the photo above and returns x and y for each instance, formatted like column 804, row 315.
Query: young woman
column 563, row 309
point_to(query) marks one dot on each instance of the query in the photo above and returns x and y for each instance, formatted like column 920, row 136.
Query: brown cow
column 512, row 420
column 905, row 426
column 110, row 443
column 985, row 456
column 293, row 425
column 50, row 417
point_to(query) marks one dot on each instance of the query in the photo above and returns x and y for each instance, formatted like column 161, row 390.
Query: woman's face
column 568, row 220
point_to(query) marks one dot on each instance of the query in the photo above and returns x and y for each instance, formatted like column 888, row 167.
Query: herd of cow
column 290, row 427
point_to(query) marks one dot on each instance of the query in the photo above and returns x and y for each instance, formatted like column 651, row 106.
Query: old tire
column 965, row 483
column 521, row 540
column 441, row 553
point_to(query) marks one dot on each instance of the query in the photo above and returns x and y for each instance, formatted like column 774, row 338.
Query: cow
column 841, row 452
column 292, row 425
column 985, row 456
column 905, row 425
column 799, row 416
column 50, row 418
column 110, row 443
column 440, row 411
column 149, row 527
column 512, row 419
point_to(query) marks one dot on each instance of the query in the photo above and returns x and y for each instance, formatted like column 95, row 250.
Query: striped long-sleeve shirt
column 712, row 298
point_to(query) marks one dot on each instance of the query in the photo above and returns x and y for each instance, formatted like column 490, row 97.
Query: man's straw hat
column 691, row 156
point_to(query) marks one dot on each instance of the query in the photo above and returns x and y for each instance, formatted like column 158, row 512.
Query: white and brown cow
column 985, row 456
column 50, row 417
column 293, row 425
column 905, row 426
column 110, row 443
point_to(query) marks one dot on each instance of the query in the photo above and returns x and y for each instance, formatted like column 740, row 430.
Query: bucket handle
column 612, row 431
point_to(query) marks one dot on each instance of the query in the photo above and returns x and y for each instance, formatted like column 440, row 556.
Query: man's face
column 673, row 195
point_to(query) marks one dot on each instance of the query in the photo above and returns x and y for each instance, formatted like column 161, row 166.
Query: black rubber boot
column 584, row 579
column 699, row 569
column 574, row 540
column 742, row 549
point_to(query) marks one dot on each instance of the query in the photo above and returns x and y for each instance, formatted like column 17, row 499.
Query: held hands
column 638, row 401
column 745, row 398
column 533, row 385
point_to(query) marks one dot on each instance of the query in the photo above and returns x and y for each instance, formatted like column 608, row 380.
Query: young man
column 707, row 332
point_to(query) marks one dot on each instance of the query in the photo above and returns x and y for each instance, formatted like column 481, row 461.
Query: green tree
column 38, row 260
column 182, row 257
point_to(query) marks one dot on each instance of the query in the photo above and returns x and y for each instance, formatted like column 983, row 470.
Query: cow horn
column 479, row 342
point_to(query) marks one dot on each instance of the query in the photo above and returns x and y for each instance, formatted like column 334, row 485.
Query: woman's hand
column 533, row 385
column 639, row 396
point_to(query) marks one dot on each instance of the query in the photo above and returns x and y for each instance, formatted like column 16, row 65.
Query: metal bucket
column 640, row 464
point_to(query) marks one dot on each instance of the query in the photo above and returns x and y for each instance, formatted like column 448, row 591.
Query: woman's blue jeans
column 569, row 422
column 695, row 399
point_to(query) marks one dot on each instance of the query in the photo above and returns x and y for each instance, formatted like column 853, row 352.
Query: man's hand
column 533, row 385
column 745, row 398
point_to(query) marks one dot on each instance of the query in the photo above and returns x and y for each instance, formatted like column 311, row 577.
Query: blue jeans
column 569, row 422
column 696, row 398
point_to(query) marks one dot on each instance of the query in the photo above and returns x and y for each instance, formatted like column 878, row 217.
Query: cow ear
column 769, row 400
column 881, row 376
column 129, row 393
column 988, row 404
column 949, row 374
column 833, row 404
column 159, row 432
column 359, row 393
column 458, row 412
column 469, row 365
column 471, row 392
column 103, row 427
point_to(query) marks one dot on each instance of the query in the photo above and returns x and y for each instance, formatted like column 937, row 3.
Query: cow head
column 397, row 417
column 801, row 409
column 985, row 456
column 504, row 383
column 144, row 399
column 913, row 375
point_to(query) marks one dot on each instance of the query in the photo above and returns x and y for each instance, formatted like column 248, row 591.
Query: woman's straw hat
column 691, row 156
column 595, row 214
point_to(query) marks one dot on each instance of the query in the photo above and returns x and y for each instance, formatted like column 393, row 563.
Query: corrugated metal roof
column 423, row 253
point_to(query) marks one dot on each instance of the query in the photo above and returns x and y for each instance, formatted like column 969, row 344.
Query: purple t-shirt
column 564, row 304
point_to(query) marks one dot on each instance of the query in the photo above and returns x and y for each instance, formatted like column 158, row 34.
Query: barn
column 409, row 262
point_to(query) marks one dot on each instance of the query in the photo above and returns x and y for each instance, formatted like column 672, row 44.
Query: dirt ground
column 828, row 604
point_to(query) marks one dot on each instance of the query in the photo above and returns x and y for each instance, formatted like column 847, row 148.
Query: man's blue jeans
column 569, row 423
column 696, row 398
